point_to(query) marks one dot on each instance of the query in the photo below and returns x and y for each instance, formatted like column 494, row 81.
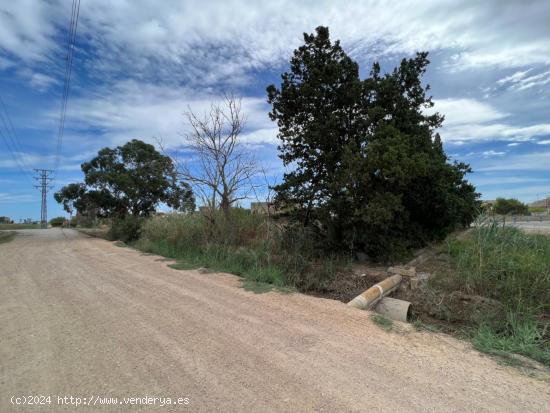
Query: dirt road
column 84, row 318
column 540, row 227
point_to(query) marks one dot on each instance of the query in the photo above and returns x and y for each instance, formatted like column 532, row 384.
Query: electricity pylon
column 44, row 180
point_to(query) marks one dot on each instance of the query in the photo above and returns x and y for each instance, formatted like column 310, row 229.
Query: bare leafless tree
column 218, row 165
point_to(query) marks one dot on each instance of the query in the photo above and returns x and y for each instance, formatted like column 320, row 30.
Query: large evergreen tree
column 367, row 168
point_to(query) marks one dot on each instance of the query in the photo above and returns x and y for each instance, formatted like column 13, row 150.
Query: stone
column 405, row 272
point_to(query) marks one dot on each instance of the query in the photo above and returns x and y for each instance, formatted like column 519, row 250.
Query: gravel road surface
column 541, row 227
column 82, row 317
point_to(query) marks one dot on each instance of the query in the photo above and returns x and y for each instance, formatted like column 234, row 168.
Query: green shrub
column 126, row 229
column 507, row 206
column 57, row 221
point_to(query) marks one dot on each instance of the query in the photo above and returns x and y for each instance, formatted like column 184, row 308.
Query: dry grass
column 249, row 245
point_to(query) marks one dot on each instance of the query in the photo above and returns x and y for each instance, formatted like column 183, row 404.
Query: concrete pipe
column 371, row 296
column 392, row 308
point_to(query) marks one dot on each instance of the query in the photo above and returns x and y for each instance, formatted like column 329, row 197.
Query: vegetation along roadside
column 367, row 177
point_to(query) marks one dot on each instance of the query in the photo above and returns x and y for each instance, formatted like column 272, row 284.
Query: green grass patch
column 19, row 226
column 6, row 236
column 382, row 322
column 525, row 338
column 245, row 263
column 513, row 267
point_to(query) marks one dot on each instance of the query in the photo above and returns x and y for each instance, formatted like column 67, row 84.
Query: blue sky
column 139, row 65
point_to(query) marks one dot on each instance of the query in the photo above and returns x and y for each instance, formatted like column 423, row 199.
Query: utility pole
column 44, row 180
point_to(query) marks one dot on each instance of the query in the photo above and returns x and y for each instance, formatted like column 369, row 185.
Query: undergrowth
column 512, row 267
column 249, row 245
column 6, row 236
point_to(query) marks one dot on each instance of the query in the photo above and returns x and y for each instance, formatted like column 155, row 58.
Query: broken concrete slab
column 403, row 271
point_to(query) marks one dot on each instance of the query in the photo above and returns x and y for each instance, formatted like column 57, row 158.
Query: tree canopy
column 132, row 179
column 366, row 166
column 507, row 206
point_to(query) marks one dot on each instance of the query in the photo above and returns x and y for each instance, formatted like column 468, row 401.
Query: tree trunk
column 224, row 205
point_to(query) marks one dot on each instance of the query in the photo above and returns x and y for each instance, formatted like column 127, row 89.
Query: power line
column 12, row 152
column 71, row 39
column 44, row 179
column 6, row 120
column 71, row 36
column 11, row 140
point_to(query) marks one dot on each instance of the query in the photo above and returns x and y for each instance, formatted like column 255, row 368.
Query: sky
column 140, row 65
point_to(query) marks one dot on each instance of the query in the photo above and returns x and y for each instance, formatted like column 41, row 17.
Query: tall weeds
column 512, row 267
column 249, row 245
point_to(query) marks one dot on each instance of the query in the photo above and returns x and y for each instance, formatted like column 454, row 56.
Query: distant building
column 262, row 208
column 540, row 207
column 542, row 203
column 205, row 209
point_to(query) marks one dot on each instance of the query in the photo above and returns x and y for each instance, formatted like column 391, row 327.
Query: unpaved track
column 80, row 316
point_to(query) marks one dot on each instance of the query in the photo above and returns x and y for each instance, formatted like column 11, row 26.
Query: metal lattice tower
column 44, row 180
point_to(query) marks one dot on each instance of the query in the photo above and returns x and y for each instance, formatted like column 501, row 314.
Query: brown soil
column 449, row 311
column 349, row 284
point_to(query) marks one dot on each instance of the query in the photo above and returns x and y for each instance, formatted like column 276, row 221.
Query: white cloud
column 482, row 181
column 38, row 80
column 495, row 131
column 513, row 78
column 131, row 110
column 28, row 28
column 539, row 161
column 485, row 34
column 532, row 81
column 34, row 160
column 262, row 136
column 472, row 120
column 491, row 153
column 9, row 198
column 520, row 80
column 220, row 41
column 494, row 55
column 466, row 111
column 544, row 142
column 514, row 144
